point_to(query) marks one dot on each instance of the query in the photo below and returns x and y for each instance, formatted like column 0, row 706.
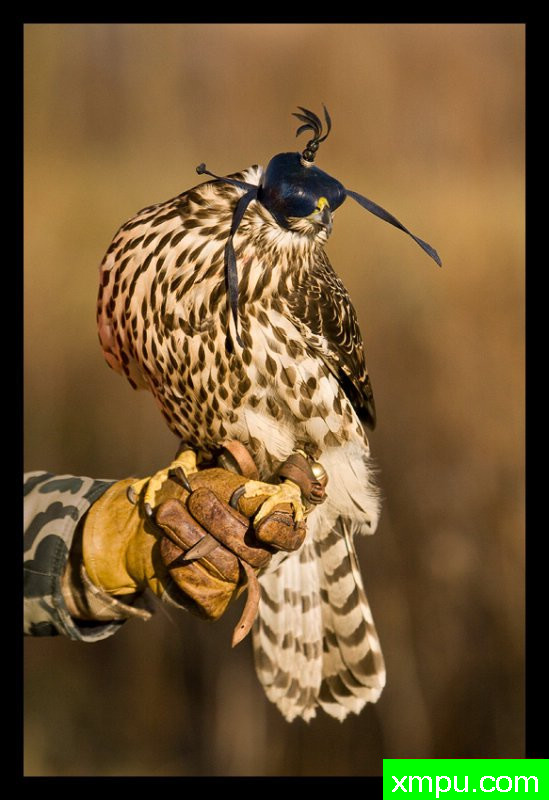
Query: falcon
column 222, row 302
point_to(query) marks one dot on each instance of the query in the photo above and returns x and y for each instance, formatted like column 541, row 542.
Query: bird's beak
column 326, row 218
column 323, row 215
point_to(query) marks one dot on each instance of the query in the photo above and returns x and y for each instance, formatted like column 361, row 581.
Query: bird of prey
column 222, row 302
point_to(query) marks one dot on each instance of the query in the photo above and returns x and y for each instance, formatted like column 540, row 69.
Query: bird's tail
column 353, row 670
column 288, row 634
column 315, row 642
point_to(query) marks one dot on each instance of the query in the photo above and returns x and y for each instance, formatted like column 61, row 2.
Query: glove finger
column 184, row 532
column 279, row 530
column 203, row 592
column 228, row 526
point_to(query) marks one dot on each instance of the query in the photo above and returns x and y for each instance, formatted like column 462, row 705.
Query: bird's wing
column 118, row 313
column 178, row 236
column 322, row 310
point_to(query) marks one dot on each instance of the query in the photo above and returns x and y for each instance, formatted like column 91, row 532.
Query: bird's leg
column 184, row 464
column 285, row 493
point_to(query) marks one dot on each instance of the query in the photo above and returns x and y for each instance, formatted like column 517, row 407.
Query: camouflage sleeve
column 53, row 507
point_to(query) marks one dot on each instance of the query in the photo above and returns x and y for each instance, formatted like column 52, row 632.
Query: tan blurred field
column 428, row 122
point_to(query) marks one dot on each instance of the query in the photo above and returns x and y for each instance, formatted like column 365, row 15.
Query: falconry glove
column 202, row 540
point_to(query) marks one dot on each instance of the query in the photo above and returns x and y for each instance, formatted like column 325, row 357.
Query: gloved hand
column 125, row 552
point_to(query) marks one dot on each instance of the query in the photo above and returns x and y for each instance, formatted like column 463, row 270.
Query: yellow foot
column 184, row 463
column 287, row 492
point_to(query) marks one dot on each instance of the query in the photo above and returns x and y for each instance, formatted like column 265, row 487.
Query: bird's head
column 297, row 194
column 300, row 198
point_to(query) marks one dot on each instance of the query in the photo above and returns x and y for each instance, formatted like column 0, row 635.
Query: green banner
column 456, row 777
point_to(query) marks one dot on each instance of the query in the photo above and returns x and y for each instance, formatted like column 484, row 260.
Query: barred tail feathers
column 288, row 634
column 353, row 669
column 315, row 643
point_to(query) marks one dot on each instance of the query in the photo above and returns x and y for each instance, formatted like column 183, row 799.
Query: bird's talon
column 179, row 474
column 184, row 464
column 201, row 548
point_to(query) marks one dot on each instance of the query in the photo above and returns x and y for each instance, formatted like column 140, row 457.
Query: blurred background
column 429, row 123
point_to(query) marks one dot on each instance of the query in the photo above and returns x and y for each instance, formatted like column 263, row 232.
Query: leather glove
column 125, row 552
